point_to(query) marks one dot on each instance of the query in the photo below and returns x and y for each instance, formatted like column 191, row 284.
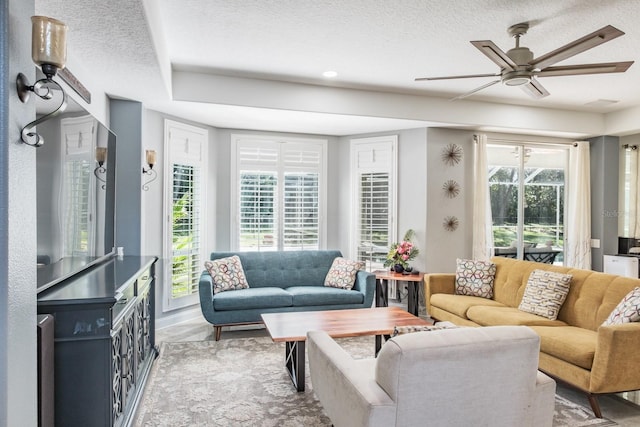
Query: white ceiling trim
column 287, row 96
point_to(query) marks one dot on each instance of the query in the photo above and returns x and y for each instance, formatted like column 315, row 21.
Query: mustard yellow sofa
column 575, row 348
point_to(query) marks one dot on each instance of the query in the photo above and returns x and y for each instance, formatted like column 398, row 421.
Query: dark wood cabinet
column 104, row 342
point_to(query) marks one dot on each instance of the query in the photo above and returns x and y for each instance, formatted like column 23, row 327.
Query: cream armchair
column 452, row 377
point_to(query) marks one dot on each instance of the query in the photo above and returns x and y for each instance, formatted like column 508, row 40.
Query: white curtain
column 634, row 187
column 578, row 227
column 482, row 246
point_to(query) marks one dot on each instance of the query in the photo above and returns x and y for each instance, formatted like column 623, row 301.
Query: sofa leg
column 595, row 405
column 217, row 332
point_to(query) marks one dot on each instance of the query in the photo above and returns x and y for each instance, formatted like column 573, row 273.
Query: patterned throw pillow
column 627, row 311
column 227, row 274
column 475, row 278
column 401, row 330
column 342, row 273
column 545, row 293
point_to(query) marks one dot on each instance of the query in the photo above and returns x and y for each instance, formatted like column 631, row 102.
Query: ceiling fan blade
column 495, row 54
column 535, row 89
column 468, row 76
column 594, row 39
column 575, row 70
column 464, row 95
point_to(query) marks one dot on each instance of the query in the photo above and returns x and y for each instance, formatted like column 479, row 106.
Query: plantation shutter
column 186, row 149
column 373, row 169
column 279, row 194
column 374, row 217
column 301, row 191
column 258, row 197
column 78, row 187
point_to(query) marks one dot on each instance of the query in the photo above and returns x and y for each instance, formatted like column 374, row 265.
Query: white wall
column 412, row 189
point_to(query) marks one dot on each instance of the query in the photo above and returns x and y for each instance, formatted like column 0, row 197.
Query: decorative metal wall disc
column 451, row 188
column 452, row 154
column 450, row 223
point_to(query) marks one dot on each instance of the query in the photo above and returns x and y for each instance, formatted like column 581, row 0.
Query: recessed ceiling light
column 330, row 74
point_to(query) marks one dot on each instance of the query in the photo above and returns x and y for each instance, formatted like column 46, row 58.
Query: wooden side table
column 382, row 288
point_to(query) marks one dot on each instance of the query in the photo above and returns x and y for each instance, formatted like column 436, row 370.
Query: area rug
column 242, row 382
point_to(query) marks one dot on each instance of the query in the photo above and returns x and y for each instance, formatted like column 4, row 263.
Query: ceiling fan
column 518, row 67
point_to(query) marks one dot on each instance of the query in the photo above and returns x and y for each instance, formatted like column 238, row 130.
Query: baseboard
column 180, row 317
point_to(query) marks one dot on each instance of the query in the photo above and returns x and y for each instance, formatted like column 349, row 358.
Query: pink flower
column 405, row 257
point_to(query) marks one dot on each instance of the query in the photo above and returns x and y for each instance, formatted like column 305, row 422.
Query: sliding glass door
column 527, row 191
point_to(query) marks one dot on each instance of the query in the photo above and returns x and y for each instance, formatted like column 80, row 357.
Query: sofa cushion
column 494, row 316
column 573, row 345
column 342, row 273
column 545, row 292
column 323, row 295
column 627, row 311
column 475, row 278
column 283, row 269
column 245, row 299
column 227, row 274
column 459, row 304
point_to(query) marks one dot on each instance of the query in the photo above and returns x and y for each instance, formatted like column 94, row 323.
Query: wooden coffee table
column 292, row 328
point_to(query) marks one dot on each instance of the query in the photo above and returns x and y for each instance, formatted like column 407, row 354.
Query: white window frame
column 373, row 155
column 78, row 148
column 240, row 140
column 521, row 146
column 184, row 155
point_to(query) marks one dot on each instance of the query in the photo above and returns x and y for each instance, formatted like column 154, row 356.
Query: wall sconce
column 49, row 51
column 151, row 160
column 101, row 158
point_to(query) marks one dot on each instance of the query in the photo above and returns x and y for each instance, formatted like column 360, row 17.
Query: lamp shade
column 101, row 155
column 151, row 157
column 48, row 41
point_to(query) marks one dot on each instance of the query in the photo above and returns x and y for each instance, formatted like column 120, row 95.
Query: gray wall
column 445, row 246
column 604, row 153
column 126, row 123
column 17, row 223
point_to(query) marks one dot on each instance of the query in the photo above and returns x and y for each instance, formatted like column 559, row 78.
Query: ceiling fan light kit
column 519, row 67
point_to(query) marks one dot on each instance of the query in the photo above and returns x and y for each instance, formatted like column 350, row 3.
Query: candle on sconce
column 48, row 41
column 151, row 158
column 101, row 155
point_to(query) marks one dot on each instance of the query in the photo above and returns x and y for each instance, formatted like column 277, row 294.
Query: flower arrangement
column 403, row 252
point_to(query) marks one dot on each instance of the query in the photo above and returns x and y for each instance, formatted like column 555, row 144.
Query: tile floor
column 624, row 408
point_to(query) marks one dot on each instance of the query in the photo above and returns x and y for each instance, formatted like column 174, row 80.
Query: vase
column 398, row 268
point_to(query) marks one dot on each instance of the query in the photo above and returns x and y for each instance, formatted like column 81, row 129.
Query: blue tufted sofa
column 280, row 282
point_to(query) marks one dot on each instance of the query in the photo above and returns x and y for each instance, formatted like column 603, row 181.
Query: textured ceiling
column 372, row 44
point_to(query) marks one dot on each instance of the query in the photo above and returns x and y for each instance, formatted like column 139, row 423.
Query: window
column 527, row 191
column 373, row 166
column 184, row 203
column 279, row 190
column 78, row 186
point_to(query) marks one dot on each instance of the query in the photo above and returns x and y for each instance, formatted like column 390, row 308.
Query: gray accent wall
column 126, row 123
column 18, row 402
column 604, row 153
